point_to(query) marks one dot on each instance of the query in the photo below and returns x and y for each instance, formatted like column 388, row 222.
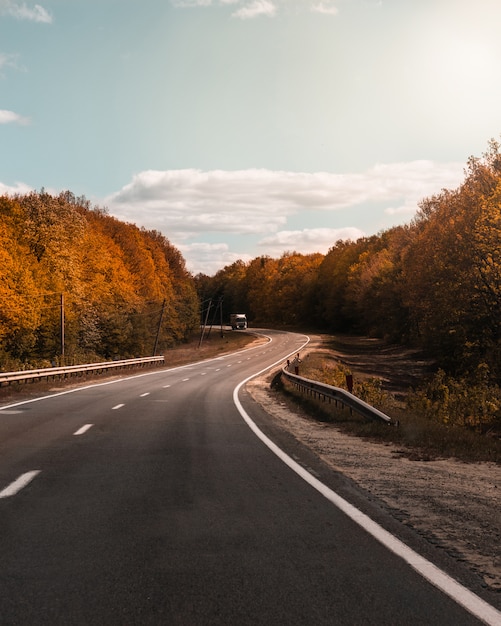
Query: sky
column 241, row 128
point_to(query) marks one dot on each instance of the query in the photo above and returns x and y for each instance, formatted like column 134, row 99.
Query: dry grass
column 419, row 437
column 212, row 346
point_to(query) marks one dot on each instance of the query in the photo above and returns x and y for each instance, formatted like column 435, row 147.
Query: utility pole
column 205, row 323
column 221, row 315
column 62, row 328
column 158, row 329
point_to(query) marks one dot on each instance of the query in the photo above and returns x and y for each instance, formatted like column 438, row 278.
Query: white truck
column 238, row 321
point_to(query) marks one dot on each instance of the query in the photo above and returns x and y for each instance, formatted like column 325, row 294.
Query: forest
column 121, row 291
column 78, row 285
column 434, row 283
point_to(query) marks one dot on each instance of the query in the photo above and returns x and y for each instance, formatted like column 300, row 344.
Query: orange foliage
column 116, row 280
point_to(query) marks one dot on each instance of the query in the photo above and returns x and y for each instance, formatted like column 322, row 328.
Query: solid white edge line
column 451, row 587
column 83, row 429
column 18, row 484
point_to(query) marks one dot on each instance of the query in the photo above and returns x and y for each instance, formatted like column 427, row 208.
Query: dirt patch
column 452, row 504
column 399, row 368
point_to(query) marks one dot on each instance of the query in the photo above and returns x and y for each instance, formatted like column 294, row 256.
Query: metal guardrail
column 338, row 395
column 64, row 372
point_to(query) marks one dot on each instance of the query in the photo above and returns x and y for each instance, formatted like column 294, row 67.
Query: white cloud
column 404, row 209
column 208, row 258
column 256, row 201
column 327, row 8
column 308, row 240
column 13, row 190
column 255, row 9
column 251, row 208
column 8, row 61
column 9, row 117
column 189, row 204
column 23, row 12
column 186, row 4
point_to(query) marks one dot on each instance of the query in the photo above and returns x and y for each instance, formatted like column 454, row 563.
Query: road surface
column 149, row 500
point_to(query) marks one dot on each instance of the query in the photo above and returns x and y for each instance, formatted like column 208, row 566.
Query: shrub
column 470, row 401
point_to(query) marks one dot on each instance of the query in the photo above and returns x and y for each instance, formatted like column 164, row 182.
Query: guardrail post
column 349, row 382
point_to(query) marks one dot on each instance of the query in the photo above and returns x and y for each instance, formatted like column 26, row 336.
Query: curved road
column 149, row 500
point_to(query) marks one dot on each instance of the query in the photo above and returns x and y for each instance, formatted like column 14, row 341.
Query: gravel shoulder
column 453, row 505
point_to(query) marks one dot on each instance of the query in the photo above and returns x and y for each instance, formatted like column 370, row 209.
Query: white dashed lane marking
column 117, row 406
column 83, row 429
column 18, row 484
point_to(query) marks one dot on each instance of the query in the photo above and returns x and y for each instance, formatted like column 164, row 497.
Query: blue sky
column 246, row 127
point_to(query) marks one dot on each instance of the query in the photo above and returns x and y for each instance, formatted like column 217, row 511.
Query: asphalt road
column 149, row 500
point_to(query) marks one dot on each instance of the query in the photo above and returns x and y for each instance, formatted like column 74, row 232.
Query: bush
column 447, row 418
column 325, row 369
column 470, row 402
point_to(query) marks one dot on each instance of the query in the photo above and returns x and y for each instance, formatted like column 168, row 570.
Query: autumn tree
column 259, row 283
column 452, row 269
column 228, row 286
column 374, row 286
column 333, row 310
column 114, row 281
column 294, row 288
column 19, row 297
column 179, row 291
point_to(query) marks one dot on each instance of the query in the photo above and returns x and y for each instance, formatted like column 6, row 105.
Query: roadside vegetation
column 213, row 345
column 433, row 285
column 444, row 419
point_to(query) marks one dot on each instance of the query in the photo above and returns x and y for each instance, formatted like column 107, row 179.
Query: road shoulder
column 453, row 506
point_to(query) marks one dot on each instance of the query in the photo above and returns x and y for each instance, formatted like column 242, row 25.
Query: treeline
column 114, row 288
column 435, row 283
